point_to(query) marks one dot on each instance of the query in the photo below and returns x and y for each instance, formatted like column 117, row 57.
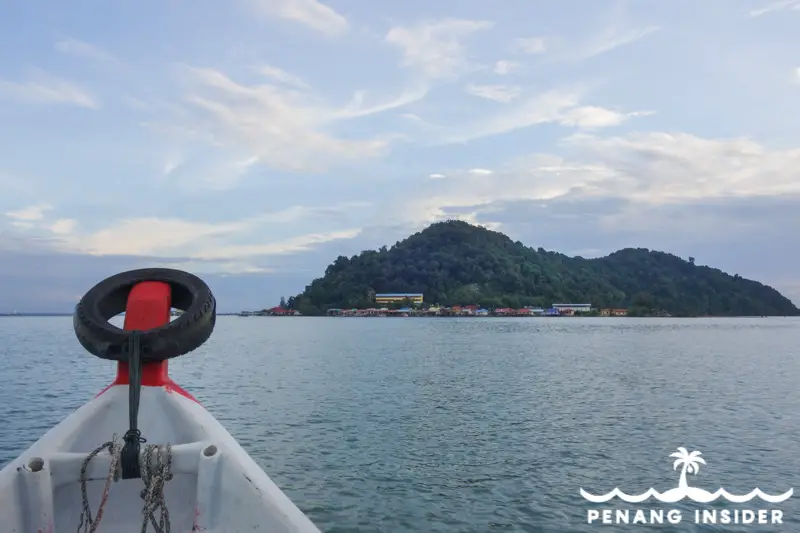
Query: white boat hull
column 216, row 486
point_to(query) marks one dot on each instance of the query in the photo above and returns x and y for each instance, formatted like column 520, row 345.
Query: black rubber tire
column 109, row 298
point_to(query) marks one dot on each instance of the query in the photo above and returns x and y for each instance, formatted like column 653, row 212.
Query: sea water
column 469, row 424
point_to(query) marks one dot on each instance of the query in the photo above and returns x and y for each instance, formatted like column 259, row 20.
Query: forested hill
column 455, row 263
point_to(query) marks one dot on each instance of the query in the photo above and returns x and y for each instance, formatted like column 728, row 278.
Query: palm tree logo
column 690, row 463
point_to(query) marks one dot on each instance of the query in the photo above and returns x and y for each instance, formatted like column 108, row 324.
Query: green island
column 455, row 268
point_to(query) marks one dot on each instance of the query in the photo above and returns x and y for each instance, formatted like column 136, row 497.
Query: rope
column 89, row 525
column 154, row 476
column 133, row 437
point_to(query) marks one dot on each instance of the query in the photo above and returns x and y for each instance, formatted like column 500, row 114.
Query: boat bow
column 188, row 473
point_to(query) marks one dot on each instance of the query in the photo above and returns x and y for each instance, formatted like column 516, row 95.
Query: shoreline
column 518, row 316
column 47, row 315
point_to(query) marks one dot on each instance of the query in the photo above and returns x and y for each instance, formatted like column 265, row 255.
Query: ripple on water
column 459, row 425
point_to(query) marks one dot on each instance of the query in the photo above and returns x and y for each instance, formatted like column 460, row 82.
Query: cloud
column 583, row 48
column 63, row 226
column 293, row 245
column 82, row 49
column 46, row 89
column 529, row 45
column 195, row 240
column 222, row 242
column 592, row 117
column 797, row 75
column 644, row 179
column 435, row 49
column 554, row 106
column 213, row 267
column 538, row 109
column 611, row 39
column 310, row 13
column 643, row 171
column 780, row 5
column 659, row 167
column 280, row 127
column 498, row 93
column 356, row 108
column 171, row 164
column 221, row 174
column 282, row 76
column 503, row 67
column 30, row 213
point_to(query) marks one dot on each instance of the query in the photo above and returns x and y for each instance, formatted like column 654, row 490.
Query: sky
column 253, row 141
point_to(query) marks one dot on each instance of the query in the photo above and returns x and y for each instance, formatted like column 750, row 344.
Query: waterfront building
column 572, row 308
column 386, row 298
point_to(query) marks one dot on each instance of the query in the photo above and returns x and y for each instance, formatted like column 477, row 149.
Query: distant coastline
column 453, row 263
column 13, row 314
column 35, row 314
column 532, row 316
column 260, row 314
column 474, row 311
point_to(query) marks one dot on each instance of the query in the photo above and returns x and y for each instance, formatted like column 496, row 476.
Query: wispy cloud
column 550, row 107
column 310, row 13
column 435, row 48
column 45, row 89
column 498, row 93
column 30, row 213
column 282, row 76
column 504, row 67
column 191, row 239
column 82, row 49
column 277, row 126
column 611, row 39
column 529, row 45
column 359, row 105
column 780, row 5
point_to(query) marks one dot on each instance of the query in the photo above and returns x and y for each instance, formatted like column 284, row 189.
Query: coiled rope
column 128, row 463
column 154, row 475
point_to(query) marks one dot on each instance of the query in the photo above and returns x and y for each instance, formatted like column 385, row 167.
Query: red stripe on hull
column 149, row 305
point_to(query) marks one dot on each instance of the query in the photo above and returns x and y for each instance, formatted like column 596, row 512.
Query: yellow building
column 415, row 297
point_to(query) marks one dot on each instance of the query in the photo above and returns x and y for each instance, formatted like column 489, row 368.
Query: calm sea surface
column 465, row 425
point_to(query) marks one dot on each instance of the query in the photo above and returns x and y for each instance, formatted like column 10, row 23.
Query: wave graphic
column 692, row 493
